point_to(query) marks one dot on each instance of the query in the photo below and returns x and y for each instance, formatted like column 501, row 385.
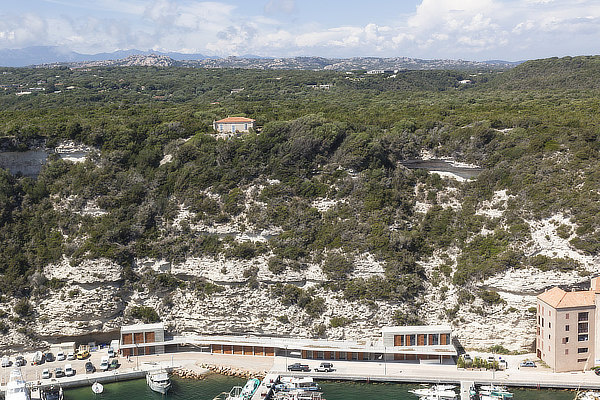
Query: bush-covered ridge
column 341, row 146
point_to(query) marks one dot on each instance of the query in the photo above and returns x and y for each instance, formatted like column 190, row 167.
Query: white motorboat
column 158, row 381
column 441, row 392
column 289, row 383
column 16, row 389
column 589, row 395
column 493, row 392
column 97, row 388
column 244, row 393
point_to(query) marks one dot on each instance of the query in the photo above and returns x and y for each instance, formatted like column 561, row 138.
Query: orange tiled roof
column 558, row 298
column 233, row 120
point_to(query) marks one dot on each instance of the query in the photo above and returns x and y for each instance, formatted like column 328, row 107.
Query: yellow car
column 83, row 355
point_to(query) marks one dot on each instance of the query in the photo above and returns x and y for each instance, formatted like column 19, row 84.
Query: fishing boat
column 441, row 392
column 158, row 381
column 493, row 392
column 16, row 389
column 52, row 393
column 97, row 388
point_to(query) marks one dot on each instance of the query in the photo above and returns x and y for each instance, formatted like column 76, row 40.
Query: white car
column 104, row 363
column 70, row 356
column 69, row 371
column 60, row 356
column 111, row 352
column 46, row 374
column 5, row 362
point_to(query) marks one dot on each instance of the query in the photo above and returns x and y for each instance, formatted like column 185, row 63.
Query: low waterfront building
column 142, row 339
column 566, row 337
column 415, row 344
column 234, row 125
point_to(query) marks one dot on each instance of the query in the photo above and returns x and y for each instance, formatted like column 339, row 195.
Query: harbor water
column 207, row 389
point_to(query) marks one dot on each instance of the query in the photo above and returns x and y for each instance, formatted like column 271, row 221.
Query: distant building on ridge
column 234, row 125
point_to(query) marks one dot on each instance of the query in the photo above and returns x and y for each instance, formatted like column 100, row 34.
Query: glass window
column 582, row 338
column 583, row 316
column 565, row 340
column 582, row 327
column 582, row 350
column 549, row 324
column 567, row 328
column 567, row 316
column 566, row 352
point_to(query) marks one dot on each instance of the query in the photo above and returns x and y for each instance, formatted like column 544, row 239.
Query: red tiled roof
column 233, row 120
column 558, row 298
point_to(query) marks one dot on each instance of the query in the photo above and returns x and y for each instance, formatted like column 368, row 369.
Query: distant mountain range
column 55, row 56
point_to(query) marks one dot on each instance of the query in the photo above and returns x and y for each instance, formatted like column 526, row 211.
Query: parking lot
column 34, row 372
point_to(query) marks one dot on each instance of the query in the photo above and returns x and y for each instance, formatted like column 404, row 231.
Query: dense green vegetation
column 535, row 130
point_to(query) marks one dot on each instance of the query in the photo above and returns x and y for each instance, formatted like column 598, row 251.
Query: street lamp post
column 384, row 361
column 286, row 361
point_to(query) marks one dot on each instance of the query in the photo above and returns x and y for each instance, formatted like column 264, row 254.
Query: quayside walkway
column 344, row 370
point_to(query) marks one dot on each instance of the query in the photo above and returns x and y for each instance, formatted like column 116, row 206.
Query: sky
column 479, row 30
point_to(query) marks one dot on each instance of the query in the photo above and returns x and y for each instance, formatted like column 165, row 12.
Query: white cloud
column 468, row 29
column 280, row 6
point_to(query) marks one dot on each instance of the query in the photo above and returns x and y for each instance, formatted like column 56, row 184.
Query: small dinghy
column 97, row 388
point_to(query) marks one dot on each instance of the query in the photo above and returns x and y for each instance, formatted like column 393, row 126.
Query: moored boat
column 244, row 393
column 493, row 392
column 52, row 393
column 289, row 383
column 97, row 388
column 441, row 392
column 16, row 389
column 158, row 381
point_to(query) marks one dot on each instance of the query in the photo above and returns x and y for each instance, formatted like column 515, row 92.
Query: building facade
column 566, row 337
column 233, row 125
column 142, row 339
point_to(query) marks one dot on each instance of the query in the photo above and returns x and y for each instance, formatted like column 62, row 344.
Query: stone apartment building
column 566, row 337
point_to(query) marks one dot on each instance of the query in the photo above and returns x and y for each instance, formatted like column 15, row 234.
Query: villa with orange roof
column 233, row 125
column 566, row 337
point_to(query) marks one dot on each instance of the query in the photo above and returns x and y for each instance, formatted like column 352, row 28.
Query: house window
column 567, row 316
column 549, row 313
column 581, row 350
column 566, row 352
column 567, row 328
column 582, row 327
column 581, row 359
column 582, row 338
column 542, row 322
column 565, row 340
column 548, row 336
column 582, row 316
column 549, row 324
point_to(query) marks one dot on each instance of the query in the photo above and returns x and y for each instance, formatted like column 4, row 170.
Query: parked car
column 325, row 367
column 104, row 364
column 114, row 364
column 82, row 355
column 60, row 356
column 298, row 367
column 111, row 352
column 70, row 356
column 527, row 364
column 69, row 371
column 46, row 374
column 5, row 362
column 49, row 357
column 89, row 367
column 467, row 357
column 58, row 372
column 20, row 361
column 38, row 358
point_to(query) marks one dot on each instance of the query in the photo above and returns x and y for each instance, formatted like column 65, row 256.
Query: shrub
column 491, row 297
column 337, row 322
column 146, row 314
column 23, row 308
